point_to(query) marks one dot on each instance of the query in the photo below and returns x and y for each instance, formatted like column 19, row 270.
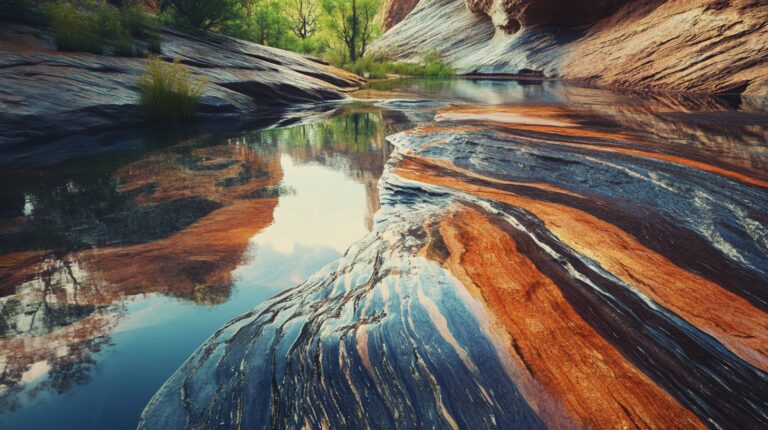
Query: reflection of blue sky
column 312, row 226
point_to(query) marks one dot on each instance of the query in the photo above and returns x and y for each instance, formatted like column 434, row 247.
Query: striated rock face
column 511, row 15
column 45, row 93
column 695, row 46
column 394, row 11
column 532, row 266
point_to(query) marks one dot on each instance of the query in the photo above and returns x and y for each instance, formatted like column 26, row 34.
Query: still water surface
column 115, row 267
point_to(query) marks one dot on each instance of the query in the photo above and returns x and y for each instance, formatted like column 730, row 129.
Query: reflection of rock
column 530, row 267
column 65, row 306
column 55, row 94
column 649, row 44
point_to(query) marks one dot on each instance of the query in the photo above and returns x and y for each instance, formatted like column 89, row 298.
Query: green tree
column 303, row 17
column 353, row 23
column 202, row 14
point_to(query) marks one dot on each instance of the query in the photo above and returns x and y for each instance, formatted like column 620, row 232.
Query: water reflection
column 128, row 261
column 82, row 244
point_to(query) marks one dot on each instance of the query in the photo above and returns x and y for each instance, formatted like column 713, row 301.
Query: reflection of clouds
column 275, row 270
column 326, row 210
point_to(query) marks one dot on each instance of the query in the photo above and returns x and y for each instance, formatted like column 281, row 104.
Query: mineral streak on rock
column 394, row 11
column 530, row 267
column 701, row 46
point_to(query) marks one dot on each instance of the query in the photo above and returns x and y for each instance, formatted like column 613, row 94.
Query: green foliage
column 432, row 66
column 153, row 40
column 168, row 91
column 123, row 46
column 201, row 14
column 75, row 30
column 89, row 25
column 353, row 23
column 27, row 11
column 262, row 22
column 135, row 20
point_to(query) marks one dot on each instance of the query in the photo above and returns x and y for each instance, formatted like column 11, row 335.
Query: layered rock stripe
column 530, row 267
column 695, row 46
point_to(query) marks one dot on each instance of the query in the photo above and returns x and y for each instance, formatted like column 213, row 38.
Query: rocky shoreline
column 45, row 94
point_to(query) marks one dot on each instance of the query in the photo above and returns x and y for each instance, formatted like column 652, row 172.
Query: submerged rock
column 677, row 45
column 46, row 93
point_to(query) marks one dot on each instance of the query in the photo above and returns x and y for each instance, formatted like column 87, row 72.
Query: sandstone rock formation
column 700, row 46
column 511, row 15
column 531, row 266
column 45, row 93
column 394, row 11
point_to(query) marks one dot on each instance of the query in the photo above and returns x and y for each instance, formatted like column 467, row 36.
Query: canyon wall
column 712, row 46
column 394, row 11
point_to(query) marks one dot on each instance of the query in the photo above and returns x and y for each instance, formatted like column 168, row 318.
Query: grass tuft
column 73, row 30
column 168, row 91
column 90, row 26
column 431, row 66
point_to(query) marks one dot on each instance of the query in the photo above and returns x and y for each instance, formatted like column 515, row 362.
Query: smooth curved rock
column 675, row 45
column 45, row 93
column 511, row 15
column 531, row 266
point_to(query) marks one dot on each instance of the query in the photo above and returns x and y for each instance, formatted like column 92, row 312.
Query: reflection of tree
column 62, row 373
column 174, row 221
column 50, row 329
column 181, row 217
column 51, row 300
column 352, row 143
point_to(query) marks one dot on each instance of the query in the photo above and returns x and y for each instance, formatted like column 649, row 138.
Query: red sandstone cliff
column 394, row 11
column 700, row 46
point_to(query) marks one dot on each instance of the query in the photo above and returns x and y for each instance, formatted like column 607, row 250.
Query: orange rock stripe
column 727, row 317
column 564, row 355
column 669, row 158
column 573, row 129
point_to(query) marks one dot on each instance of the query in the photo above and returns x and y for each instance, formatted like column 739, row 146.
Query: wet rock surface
column 45, row 93
column 678, row 45
column 532, row 266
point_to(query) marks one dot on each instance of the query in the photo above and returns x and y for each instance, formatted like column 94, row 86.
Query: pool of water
column 116, row 265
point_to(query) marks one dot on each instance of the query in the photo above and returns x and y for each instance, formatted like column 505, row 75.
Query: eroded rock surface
column 532, row 266
column 394, row 11
column 46, row 93
column 696, row 46
column 511, row 15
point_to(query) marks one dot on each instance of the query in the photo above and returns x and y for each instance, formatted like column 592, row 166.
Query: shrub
column 153, row 39
column 432, row 66
column 136, row 21
column 123, row 46
column 202, row 14
column 167, row 90
column 73, row 30
column 88, row 25
column 106, row 18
